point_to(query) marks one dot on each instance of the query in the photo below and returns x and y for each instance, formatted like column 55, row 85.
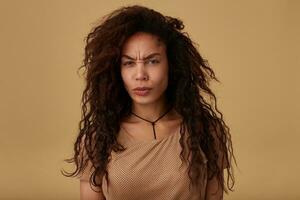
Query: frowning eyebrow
column 145, row 58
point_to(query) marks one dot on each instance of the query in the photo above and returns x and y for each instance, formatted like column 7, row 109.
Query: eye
column 127, row 63
column 153, row 61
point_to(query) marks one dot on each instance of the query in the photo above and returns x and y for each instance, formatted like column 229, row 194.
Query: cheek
column 163, row 75
column 162, row 80
column 125, row 79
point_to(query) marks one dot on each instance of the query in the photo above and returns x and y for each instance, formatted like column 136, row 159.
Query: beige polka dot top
column 151, row 170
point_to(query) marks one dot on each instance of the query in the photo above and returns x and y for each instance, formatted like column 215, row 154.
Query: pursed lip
column 142, row 88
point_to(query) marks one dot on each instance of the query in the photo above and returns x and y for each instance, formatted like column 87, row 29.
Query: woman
column 147, row 131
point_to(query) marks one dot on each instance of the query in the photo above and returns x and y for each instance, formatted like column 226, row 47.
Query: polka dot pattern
column 151, row 170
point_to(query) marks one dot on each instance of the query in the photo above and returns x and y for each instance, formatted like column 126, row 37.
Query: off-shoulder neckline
column 154, row 141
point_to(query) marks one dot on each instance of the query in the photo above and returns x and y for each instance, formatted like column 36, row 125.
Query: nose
column 141, row 72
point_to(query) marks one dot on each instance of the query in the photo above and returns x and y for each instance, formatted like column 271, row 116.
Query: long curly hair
column 105, row 101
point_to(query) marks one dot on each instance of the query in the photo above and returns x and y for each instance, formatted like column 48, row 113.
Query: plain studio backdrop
column 252, row 46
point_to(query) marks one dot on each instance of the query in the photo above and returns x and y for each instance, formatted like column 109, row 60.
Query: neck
column 152, row 111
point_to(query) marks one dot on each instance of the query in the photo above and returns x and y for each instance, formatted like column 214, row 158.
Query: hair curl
column 105, row 101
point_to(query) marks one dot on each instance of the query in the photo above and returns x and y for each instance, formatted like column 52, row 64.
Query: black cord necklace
column 153, row 123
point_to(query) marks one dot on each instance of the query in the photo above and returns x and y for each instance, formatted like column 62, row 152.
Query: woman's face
column 144, row 63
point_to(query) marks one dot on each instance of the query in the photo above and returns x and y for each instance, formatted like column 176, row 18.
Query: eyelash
column 129, row 62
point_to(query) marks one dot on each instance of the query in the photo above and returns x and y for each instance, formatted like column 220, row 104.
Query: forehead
column 143, row 43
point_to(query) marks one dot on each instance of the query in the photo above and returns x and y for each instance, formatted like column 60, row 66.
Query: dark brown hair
column 105, row 101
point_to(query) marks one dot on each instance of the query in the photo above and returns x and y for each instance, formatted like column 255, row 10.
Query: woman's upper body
column 139, row 63
column 150, row 168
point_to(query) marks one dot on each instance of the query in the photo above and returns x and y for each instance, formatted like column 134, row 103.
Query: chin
column 142, row 99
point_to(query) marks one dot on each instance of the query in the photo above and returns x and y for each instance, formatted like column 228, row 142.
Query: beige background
column 253, row 47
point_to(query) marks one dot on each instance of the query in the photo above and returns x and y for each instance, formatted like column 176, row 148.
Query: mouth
column 142, row 91
column 141, row 88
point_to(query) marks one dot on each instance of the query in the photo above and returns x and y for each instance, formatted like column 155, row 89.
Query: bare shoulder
column 87, row 191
